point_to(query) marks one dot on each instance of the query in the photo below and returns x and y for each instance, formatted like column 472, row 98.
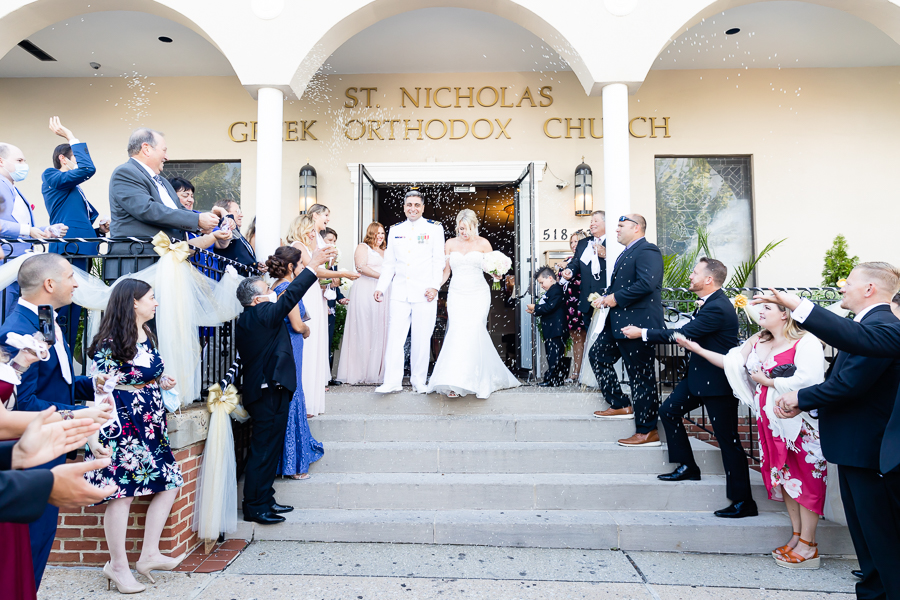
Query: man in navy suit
column 16, row 213
column 715, row 327
column 855, row 403
column 47, row 279
column 66, row 203
column 552, row 311
column 634, row 297
column 590, row 263
column 142, row 203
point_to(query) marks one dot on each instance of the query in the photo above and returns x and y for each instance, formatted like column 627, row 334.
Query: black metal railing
column 132, row 255
column 672, row 360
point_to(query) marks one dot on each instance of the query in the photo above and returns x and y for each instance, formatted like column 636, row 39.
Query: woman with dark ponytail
column 300, row 448
column 136, row 441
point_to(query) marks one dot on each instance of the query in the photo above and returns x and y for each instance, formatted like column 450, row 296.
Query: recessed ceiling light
column 95, row 65
column 168, row 40
column 731, row 31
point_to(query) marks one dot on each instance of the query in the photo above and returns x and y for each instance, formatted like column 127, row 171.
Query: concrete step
column 625, row 529
column 504, row 457
column 468, row 428
column 523, row 400
column 544, row 491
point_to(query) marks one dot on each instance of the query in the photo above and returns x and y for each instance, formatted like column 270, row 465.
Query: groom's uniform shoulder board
column 433, row 222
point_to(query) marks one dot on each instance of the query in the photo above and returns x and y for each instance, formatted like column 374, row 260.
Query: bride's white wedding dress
column 468, row 362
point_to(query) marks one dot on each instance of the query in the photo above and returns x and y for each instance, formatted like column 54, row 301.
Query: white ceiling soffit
column 123, row 42
column 781, row 34
column 443, row 40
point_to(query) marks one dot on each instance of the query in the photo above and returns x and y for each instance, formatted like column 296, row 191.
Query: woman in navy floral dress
column 301, row 449
column 136, row 441
column 575, row 320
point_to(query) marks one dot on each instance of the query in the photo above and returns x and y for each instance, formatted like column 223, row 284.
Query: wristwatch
column 19, row 368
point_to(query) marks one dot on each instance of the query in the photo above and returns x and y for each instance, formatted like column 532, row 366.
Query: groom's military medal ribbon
column 423, row 238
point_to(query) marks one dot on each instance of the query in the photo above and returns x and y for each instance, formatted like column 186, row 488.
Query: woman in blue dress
column 137, row 441
column 300, row 448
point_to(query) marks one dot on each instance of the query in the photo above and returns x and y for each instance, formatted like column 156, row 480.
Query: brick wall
column 746, row 425
column 80, row 539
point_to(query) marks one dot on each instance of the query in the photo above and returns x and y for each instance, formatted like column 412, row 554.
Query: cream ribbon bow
column 163, row 245
column 227, row 400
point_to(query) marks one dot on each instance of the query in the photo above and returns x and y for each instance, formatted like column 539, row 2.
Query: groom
column 413, row 267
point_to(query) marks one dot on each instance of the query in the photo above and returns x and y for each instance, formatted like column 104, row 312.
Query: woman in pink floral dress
column 779, row 359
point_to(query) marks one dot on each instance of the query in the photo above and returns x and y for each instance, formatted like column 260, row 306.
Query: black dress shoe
column 682, row 473
column 335, row 382
column 739, row 510
column 268, row 518
column 546, row 383
column 280, row 509
column 857, row 574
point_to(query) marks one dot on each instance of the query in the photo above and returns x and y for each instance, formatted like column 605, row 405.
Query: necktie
column 158, row 180
column 87, row 205
column 62, row 356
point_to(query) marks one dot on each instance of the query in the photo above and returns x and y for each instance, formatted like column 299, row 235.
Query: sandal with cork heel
column 792, row 560
column 784, row 549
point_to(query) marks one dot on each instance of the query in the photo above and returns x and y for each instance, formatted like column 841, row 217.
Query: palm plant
column 744, row 270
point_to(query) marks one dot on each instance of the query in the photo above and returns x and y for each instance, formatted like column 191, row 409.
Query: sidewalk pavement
column 307, row 571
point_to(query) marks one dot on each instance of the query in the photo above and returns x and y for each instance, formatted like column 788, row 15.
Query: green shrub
column 837, row 262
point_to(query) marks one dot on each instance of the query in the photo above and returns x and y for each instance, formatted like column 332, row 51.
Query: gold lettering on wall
column 443, row 133
column 290, row 127
column 347, row 129
column 547, row 96
column 368, row 92
column 475, row 124
column 547, row 123
column 374, row 124
column 654, row 127
column 469, row 96
column 631, row 126
column 570, row 127
column 404, row 95
column 596, row 137
column 353, row 99
column 305, row 130
column 438, row 104
column 408, row 129
column 496, row 97
column 503, row 103
column 503, row 127
column 527, row 95
column 231, row 127
column 452, row 128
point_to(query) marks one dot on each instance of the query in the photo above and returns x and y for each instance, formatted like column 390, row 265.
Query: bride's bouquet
column 497, row 265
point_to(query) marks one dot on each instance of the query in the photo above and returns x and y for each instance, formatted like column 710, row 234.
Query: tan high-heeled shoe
column 123, row 588
column 163, row 565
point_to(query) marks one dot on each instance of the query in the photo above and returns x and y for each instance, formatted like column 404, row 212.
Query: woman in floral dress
column 137, row 442
column 780, row 359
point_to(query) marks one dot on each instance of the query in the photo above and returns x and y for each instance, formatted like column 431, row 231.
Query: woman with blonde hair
column 782, row 358
column 302, row 235
column 468, row 362
column 365, row 329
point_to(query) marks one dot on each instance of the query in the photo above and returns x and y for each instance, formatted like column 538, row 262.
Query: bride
column 468, row 362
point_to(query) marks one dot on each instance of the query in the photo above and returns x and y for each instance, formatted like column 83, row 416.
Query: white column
column 616, row 167
column 270, row 115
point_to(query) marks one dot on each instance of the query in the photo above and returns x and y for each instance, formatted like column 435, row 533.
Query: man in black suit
column 142, row 203
column 715, row 327
column 270, row 378
column 551, row 310
column 590, row 263
column 634, row 297
column 855, row 404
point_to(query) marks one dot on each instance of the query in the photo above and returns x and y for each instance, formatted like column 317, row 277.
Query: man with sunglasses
column 634, row 298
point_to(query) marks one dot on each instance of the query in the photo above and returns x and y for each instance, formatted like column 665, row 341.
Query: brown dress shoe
column 615, row 413
column 642, row 439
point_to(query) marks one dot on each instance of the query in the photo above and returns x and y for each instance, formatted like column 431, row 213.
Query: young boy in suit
column 334, row 297
column 551, row 310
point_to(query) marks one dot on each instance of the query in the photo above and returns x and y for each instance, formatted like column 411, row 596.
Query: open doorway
column 494, row 206
column 506, row 218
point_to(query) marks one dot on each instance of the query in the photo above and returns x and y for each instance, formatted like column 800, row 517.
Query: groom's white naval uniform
column 413, row 262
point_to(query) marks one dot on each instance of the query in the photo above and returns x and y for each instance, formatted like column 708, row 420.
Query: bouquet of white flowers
column 496, row 264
